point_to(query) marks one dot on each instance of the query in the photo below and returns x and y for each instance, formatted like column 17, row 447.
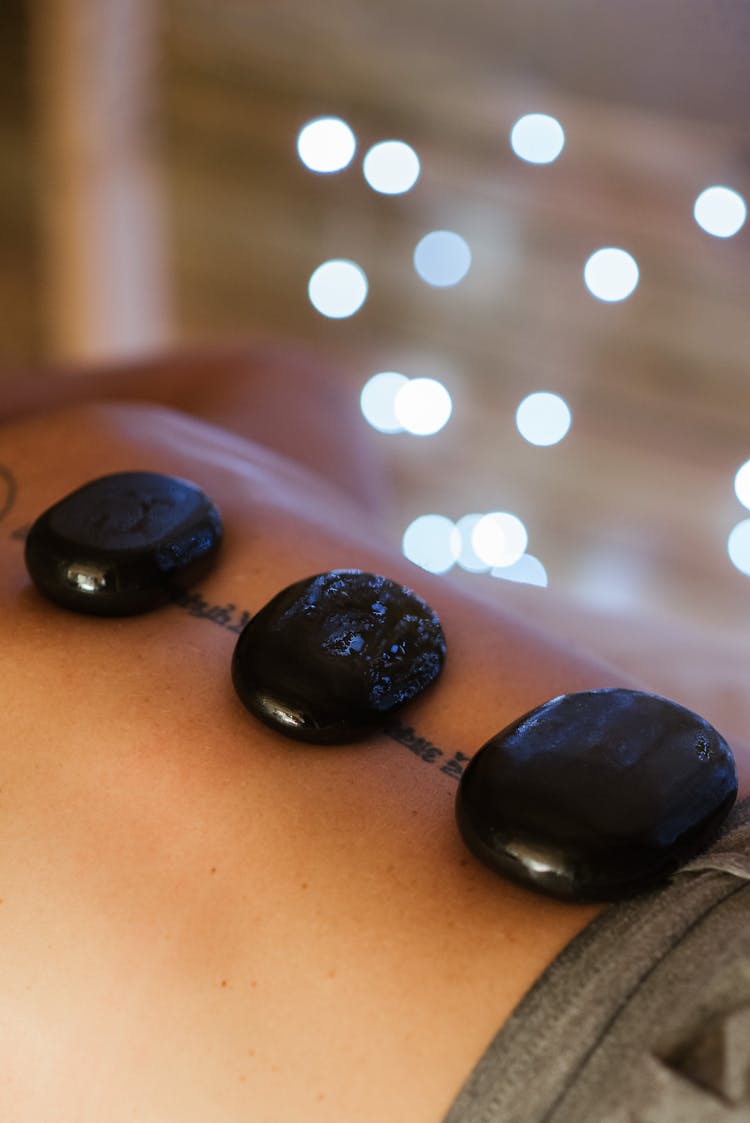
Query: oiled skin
column 200, row 919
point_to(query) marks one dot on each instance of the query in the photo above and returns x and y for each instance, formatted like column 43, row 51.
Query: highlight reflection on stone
column 331, row 657
column 123, row 543
column 597, row 795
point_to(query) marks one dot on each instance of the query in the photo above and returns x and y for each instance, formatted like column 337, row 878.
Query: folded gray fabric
column 643, row 1018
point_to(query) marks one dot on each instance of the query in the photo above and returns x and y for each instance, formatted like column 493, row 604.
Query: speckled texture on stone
column 334, row 655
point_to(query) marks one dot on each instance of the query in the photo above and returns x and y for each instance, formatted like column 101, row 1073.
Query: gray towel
column 643, row 1018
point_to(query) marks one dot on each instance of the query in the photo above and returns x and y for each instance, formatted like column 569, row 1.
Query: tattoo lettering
column 455, row 766
column 425, row 750
column 229, row 617
column 421, row 747
column 225, row 616
column 232, row 619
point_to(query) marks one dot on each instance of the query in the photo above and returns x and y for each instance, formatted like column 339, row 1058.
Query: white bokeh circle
column 442, row 258
column 377, row 400
column 738, row 546
column 468, row 558
column 423, row 406
column 391, row 167
column 432, row 542
column 611, row 274
column 338, row 288
column 537, row 138
column 742, row 484
column 543, row 418
column 499, row 538
column 326, row 145
column 720, row 211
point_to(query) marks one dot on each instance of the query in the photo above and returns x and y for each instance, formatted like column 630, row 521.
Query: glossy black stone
column 332, row 656
column 122, row 544
column 597, row 795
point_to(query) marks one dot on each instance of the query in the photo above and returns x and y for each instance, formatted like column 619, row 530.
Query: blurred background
column 159, row 186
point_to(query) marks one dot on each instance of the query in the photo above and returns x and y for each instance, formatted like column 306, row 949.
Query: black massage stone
column 333, row 656
column 598, row 795
column 123, row 544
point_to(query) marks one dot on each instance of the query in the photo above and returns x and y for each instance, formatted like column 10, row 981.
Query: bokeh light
column 391, row 167
column 468, row 558
column 543, row 418
column 432, row 542
column 378, row 398
column 528, row 570
column 738, row 546
column 742, row 484
column 442, row 258
column 499, row 538
column 611, row 274
column 337, row 288
column 423, row 406
column 537, row 138
column 326, row 145
column 720, row 211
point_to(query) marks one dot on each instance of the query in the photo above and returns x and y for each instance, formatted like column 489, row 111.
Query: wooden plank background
column 630, row 513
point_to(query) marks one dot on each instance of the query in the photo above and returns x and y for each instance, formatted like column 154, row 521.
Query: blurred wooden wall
column 105, row 285
column 20, row 320
column 630, row 514
column 633, row 509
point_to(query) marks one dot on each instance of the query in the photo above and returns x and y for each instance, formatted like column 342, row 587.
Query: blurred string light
column 499, row 538
column 468, row 558
column 337, row 288
column 423, row 406
column 442, row 258
column 720, row 211
column 392, row 403
column 738, row 546
column 611, row 274
column 738, row 542
column 543, row 418
column 436, row 543
column 432, row 542
column 742, row 484
column 391, row 167
column 326, row 145
column 537, row 138
column 378, row 398
column 528, row 570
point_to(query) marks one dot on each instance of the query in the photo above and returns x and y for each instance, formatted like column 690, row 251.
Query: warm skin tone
column 201, row 919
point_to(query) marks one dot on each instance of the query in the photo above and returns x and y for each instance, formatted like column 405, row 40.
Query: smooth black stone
column 597, row 795
column 123, row 544
column 334, row 655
